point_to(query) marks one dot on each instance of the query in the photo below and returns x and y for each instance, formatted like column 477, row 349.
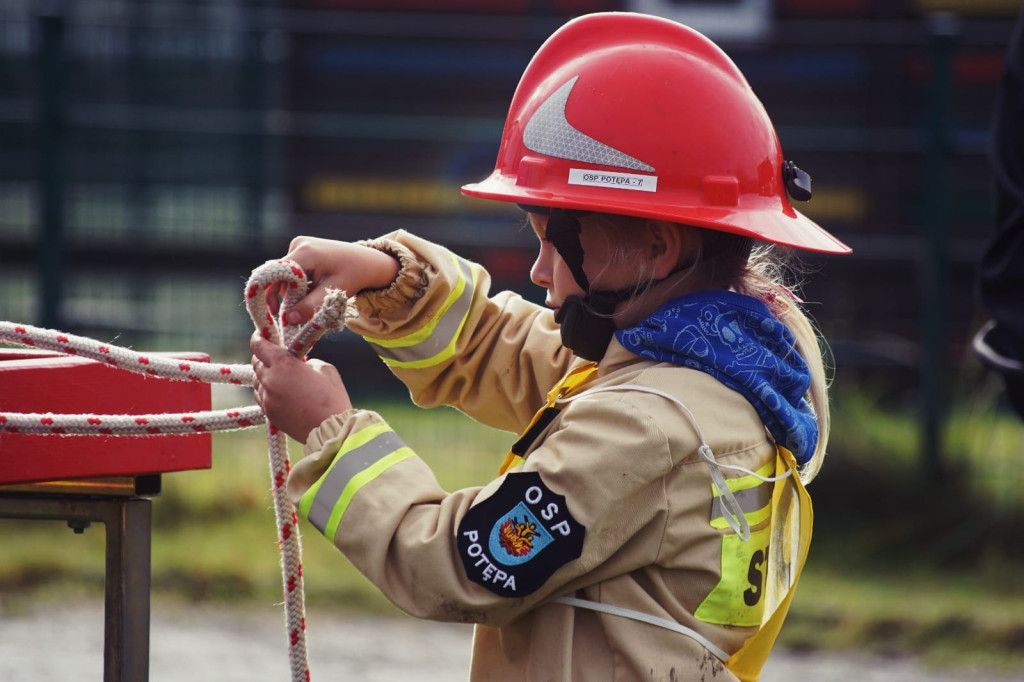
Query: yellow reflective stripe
column 362, row 457
column 421, row 348
column 358, row 482
column 353, row 441
column 753, row 495
column 753, row 518
column 744, row 482
column 356, row 440
column 422, row 334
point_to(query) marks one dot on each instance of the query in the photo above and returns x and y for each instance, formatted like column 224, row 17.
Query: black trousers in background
column 1000, row 344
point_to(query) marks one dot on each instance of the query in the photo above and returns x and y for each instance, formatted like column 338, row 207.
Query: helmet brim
column 787, row 227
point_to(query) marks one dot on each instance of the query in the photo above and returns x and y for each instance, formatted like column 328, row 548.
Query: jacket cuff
column 408, row 285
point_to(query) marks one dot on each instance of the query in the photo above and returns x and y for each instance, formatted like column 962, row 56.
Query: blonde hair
column 765, row 277
column 765, row 272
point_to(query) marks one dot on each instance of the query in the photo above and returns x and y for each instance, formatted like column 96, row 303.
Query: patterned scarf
column 737, row 340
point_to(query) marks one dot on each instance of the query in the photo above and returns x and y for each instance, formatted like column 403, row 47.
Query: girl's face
column 550, row 271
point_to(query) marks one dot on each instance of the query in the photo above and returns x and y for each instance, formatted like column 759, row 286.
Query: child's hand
column 295, row 395
column 332, row 264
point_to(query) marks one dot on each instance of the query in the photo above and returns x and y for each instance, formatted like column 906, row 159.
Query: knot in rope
column 287, row 275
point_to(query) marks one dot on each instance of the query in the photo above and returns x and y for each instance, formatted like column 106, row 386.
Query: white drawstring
column 734, row 516
column 646, row 618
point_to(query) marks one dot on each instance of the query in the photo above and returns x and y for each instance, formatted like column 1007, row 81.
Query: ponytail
column 764, row 278
column 810, row 347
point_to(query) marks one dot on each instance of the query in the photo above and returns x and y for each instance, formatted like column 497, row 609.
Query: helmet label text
column 599, row 178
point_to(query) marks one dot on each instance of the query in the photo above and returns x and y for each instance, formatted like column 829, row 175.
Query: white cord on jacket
column 734, row 516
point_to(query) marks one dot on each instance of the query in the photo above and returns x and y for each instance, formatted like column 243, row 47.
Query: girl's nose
column 540, row 273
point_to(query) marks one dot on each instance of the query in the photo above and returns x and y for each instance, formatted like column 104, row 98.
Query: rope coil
column 297, row 339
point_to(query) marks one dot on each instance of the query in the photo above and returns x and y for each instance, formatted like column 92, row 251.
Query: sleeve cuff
column 409, row 284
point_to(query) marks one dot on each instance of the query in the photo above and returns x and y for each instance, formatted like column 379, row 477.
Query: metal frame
column 128, row 522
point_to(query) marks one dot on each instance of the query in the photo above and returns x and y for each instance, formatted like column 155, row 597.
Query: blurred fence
column 153, row 153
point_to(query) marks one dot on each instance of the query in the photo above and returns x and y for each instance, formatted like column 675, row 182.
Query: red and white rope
column 131, row 425
column 298, row 340
column 283, row 274
column 124, row 358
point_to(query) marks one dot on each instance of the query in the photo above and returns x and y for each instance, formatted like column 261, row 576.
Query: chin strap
column 586, row 322
column 563, row 230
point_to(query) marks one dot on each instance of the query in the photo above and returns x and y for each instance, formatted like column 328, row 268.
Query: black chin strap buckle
column 587, row 323
column 585, row 332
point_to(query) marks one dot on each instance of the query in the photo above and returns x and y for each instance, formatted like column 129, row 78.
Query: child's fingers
column 305, row 307
column 273, row 296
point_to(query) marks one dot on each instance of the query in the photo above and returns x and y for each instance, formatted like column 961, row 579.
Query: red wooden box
column 41, row 381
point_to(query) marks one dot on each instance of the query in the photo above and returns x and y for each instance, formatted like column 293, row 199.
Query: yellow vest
column 792, row 519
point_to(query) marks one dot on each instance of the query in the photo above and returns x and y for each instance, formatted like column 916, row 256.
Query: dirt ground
column 207, row 644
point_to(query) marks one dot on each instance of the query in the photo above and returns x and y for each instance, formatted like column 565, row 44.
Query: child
column 648, row 512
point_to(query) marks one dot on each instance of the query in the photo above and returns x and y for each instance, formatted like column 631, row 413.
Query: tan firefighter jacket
column 612, row 506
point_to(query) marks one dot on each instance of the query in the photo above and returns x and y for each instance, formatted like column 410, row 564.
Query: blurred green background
column 153, row 153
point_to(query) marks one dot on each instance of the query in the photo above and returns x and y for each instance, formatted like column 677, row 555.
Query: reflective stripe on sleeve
column 435, row 342
column 753, row 495
column 363, row 456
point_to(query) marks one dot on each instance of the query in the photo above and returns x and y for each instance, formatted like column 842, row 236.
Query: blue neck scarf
column 737, row 340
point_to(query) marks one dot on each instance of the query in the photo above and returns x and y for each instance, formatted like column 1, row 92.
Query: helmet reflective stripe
column 363, row 456
column 548, row 132
column 434, row 342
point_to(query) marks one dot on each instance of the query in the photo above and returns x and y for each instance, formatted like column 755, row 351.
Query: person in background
column 651, row 520
column 1000, row 342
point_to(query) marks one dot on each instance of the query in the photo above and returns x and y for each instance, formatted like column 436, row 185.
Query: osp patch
column 514, row 540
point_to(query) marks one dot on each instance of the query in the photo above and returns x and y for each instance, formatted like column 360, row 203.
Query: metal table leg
column 128, row 571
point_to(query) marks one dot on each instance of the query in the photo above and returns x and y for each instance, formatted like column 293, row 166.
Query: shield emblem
column 517, row 537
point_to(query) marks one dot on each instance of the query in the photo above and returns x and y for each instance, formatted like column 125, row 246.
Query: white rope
column 124, row 358
column 150, row 364
column 298, row 340
column 131, row 425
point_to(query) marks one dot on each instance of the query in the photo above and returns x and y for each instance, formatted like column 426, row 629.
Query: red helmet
column 637, row 115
